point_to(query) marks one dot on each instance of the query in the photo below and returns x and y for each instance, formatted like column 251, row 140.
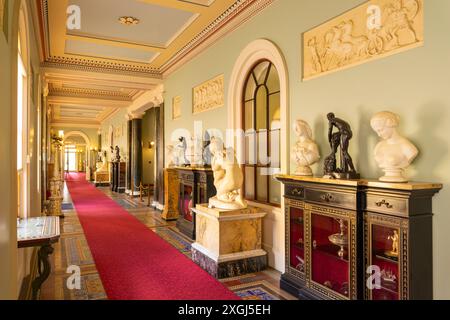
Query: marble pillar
column 136, row 154
column 129, row 142
column 229, row 242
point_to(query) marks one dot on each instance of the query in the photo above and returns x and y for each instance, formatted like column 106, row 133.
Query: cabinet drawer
column 394, row 206
column 296, row 192
column 338, row 199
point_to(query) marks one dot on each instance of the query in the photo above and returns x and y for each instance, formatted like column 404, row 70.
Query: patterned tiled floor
column 72, row 249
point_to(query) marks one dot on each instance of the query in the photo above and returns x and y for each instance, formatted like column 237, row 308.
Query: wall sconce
column 61, row 134
column 151, row 144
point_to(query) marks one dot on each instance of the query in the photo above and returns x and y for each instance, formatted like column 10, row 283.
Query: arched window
column 262, row 126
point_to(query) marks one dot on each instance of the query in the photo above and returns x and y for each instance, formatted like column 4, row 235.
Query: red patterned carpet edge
column 133, row 262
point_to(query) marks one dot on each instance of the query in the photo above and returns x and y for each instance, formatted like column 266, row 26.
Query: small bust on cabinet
column 394, row 153
column 305, row 152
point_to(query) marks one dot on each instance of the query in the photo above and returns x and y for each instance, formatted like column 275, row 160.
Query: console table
column 40, row 232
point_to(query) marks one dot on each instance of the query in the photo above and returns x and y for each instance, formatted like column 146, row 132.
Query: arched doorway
column 77, row 148
column 254, row 53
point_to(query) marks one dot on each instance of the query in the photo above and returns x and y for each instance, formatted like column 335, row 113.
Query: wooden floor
column 73, row 250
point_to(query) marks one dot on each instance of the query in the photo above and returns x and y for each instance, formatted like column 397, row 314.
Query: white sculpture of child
column 394, row 153
column 228, row 178
column 305, row 152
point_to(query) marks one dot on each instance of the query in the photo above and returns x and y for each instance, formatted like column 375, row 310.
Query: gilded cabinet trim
column 296, row 205
column 402, row 226
column 350, row 217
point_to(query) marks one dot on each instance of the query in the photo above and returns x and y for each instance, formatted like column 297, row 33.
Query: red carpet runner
column 133, row 262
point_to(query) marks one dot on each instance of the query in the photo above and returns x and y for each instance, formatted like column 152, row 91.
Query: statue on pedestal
column 228, row 178
column 339, row 140
column 305, row 152
column 181, row 148
column 117, row 155
column 395, row 153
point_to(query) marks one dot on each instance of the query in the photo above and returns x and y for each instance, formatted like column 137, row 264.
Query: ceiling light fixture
column 129, row 21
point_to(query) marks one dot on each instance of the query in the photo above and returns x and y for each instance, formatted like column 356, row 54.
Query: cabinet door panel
column 330, row 265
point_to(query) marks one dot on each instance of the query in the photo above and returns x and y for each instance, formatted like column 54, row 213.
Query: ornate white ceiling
column 95, row 71
column 168, row 32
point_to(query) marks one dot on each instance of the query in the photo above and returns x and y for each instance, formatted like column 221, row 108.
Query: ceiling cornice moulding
column 237, row 14
column 89, row 93
column 75, row 125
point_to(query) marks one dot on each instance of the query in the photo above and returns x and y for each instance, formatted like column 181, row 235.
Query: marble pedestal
column 228, row 242
column 171, row 194
column 101, row 179
column 55, row 207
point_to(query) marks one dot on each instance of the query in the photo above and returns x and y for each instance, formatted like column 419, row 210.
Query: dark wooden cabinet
column 358, row 239
column 112, row 171
column 196, row 187
column 398, row 228
column 323, row 247
column 118, row 173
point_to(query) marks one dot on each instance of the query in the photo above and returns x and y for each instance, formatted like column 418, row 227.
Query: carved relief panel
column 373, row 30
column 209, row 95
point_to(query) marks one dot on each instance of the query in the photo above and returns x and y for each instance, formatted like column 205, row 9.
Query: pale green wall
column 118, row 120
column 415, row 84
column 148, row 134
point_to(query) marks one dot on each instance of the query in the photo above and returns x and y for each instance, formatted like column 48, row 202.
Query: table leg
column 44, row 268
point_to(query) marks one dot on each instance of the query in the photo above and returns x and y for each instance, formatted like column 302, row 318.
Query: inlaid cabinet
column 358, row 239
column 323, row 246
column 196, row 187
column 398, row 230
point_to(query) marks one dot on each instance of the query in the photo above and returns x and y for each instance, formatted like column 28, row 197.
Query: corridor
column 73, row 250
column 224, row 149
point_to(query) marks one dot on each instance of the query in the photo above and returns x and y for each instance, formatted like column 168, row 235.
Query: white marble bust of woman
column 394, row 153
column 305, row 152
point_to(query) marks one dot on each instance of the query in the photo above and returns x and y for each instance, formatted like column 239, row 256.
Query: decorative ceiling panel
column 98, row 50
column 160, row 35
column 205, row 3
column 157, row 27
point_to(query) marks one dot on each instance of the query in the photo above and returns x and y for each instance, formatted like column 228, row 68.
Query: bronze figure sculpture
column 340, row 139
column 117, row 158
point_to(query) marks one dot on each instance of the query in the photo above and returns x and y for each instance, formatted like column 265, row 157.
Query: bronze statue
column 117, row 158
column 340, row 139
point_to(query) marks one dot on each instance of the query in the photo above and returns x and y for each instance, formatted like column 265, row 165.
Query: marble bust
column 394, row 153
column 305, row 152
column 228, row 178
